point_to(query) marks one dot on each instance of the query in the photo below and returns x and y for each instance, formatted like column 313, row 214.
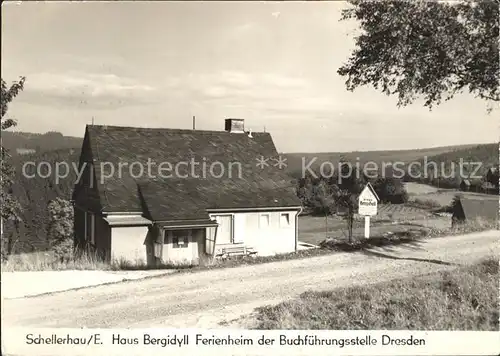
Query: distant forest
column 25, row 142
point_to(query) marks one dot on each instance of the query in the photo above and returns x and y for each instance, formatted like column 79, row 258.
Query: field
column 391, row 218
column 441, row 197
column 419, row 189
column 462, row 299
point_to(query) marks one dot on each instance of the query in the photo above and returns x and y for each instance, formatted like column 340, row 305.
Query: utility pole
column 194, row 122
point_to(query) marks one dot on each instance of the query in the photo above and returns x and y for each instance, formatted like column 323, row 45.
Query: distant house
column 489, row 188
column 470, row 209
column 25, row 151
column 465, row 185
column 492, row 176
column 208, row 193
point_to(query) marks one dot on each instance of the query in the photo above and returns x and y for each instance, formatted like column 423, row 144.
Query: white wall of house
column 128, row 244
column 268, row 232
column 178, row 252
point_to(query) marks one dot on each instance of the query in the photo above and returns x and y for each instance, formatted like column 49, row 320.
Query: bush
column 391, row 190
column 60, row 229
column 426, row 203
column 64, row 250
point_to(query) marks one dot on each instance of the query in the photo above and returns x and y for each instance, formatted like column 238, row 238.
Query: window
column 239, row 228
column 91, row 175
column 264, row 220
column 285, row 219
column 180, row 239
column 85, row 224
column 90, row 227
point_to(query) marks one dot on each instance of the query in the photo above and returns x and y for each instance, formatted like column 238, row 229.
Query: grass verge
column 462, row 299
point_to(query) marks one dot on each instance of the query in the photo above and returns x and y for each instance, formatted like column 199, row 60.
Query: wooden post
column 367, row 227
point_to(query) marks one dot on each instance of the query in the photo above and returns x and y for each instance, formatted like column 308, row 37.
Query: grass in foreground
column 46, row 261
column 462, row 299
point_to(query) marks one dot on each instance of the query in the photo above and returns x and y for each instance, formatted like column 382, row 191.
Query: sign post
column 367, row 206
column 367, row 226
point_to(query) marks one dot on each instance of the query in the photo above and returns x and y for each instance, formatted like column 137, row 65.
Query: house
column 25, row 151
column 155, row 195
column 492, row 176
column 470, row 209
column 465, row 185
column 489, row 188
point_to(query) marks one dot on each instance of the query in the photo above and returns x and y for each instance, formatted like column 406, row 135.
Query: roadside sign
column 367, row 206
column 368, row 201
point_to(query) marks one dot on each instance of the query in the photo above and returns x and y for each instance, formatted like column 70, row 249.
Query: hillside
column 26, row 142
column 487, row 153
column 34, row 193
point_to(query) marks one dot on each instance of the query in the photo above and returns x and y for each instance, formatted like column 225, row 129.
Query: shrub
column 426, row 203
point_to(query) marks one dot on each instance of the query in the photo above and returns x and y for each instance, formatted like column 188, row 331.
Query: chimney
column 235, row 125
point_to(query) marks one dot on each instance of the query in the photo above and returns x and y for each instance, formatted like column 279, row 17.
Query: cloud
column 266, row 92
column 72, row 87
column 239, row 85
column 87, row 84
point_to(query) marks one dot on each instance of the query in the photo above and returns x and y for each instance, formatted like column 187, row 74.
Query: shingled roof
column 473, row 208
column 185, row 194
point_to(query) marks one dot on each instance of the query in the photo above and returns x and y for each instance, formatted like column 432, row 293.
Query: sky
column 156, row 64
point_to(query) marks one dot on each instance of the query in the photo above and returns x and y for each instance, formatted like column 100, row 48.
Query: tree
column 323, row 200
column 10, row 208
column 426, row 49
column 390, row 190
column 350, row 185
column 305, row 190
column 60, row 228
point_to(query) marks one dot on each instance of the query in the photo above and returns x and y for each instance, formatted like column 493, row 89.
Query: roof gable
column 185, row 171
column 480, row 208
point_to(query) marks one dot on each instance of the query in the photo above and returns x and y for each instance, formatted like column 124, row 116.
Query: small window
column 264, row 220
column 86, row 224
column 180, row 239
column 181, row 242
column 90, row 227
column 285, row 219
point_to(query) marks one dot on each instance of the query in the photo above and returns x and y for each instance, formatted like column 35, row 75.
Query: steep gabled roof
column 183, row 193
column 480, row 208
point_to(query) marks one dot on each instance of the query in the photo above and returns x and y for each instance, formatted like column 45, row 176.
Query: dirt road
column 204, row 299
